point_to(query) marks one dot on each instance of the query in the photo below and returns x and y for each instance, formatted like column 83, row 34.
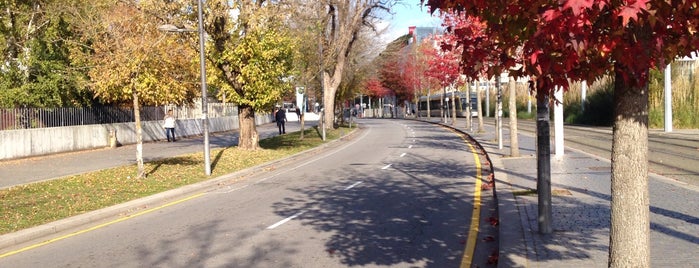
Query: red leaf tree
column 375, row 88
column 395, row 76
column 417, row 70
column 479, row 53
column 397, row 68
column 423, row 57
column 414, row 70
column 443, row 59
column 583, row 40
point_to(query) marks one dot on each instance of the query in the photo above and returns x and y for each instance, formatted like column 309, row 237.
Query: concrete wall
column 22, row 143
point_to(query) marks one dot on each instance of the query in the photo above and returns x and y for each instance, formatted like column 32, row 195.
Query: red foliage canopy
column 584, row 39
column 394, row 77
column 443, row 59
column 375, row 88
column 479, row 54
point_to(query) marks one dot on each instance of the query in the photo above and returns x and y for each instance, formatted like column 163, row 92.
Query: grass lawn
column 39, row 203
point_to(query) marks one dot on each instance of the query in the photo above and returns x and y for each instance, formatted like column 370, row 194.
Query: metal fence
column 26, row 118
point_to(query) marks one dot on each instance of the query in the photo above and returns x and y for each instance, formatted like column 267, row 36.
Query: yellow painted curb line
column 470, row 248
column 475, row 215
column 100, row 226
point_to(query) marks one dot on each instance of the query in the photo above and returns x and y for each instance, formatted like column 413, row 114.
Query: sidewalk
column 23, row 171
column 581, row 209
column 580, row 183
column 41, row 168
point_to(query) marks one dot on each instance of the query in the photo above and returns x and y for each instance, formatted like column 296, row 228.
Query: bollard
column 112, row 138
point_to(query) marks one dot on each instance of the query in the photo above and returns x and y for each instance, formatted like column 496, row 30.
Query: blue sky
column 408, row 13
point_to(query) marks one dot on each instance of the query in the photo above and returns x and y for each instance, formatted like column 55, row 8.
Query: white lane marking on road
column 284, row 221
column 230, row 190
column 353, row 185
column 410, row 147
column 338, row 149
column 403, row 154
column 267, row 178
column 304, row 164
column 387, row 166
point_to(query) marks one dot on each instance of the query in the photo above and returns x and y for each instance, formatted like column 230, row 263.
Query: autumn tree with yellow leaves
column 134, row 62
column 250, row 58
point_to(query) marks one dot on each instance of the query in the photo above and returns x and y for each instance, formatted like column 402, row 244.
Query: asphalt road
column 674, row 155
column 399, row 194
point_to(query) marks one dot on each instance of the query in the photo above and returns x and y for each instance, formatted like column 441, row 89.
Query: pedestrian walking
column 298, row 113
column 169, row 126
column 280, row 117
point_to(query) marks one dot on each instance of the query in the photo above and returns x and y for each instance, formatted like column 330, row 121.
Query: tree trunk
column 382, row 107
column 139, row 136
column 303, row 123
column 453, row 109
column 468, row 107
column 342, row 114
column 514, row 143
column 498, row 113
column 329, row 104
column 487, row 98
column 429, row 112
column 249, row 138
column 442, row 112
column 479, row 99
column 417, row 108
column 543, row 155
column 629, row 237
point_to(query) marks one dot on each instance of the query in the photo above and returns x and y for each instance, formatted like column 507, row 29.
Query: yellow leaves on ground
column 34, row 204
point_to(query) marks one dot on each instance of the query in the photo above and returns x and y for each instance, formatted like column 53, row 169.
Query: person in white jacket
column 169, row 126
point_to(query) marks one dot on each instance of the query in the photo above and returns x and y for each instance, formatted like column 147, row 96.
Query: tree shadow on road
column 390, row 218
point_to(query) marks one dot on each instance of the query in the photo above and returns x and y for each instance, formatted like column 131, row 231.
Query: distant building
column 420, row 33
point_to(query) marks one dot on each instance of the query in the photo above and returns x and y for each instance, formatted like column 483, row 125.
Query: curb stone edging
column 53, row 230
column 511, row 237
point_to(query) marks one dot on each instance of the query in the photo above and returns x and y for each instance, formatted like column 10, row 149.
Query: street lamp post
column 204, row 104
column 202, row 65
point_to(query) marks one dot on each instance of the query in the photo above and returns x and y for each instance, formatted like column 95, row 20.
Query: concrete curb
column 67, row 226
column 511, row 238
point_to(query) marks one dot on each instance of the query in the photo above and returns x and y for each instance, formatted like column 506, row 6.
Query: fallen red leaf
column 493, row 258
column 494, row 221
